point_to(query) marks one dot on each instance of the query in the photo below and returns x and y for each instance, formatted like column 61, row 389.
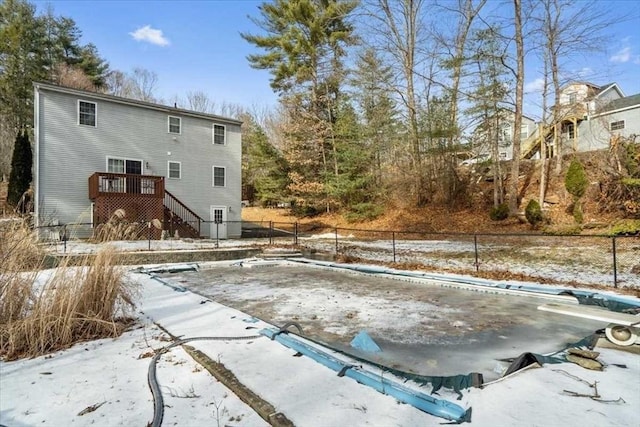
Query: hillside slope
column 599, row 213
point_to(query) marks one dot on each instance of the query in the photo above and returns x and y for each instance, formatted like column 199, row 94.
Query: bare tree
column 143, row 84
column 70, row 76
column 569, row 29
column 399, row 31
column 517, row 125
column 199, row 101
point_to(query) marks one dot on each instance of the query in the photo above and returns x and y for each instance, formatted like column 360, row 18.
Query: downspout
column 36, row 171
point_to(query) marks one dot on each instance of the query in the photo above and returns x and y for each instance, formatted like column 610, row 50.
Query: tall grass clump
column 46, row 310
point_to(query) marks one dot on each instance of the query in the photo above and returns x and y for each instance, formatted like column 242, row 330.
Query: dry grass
column 41, row 312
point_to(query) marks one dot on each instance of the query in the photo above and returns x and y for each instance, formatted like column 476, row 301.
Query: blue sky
column 196, row 45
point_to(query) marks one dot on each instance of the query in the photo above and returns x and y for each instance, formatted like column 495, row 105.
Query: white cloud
column 585, row 72
column 150, row 35
column 535, row 86
column 623, row 55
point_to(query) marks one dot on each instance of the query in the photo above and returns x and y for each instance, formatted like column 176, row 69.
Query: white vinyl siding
column 219, row 176
column 87, row 113
column 127, row 132
column 618, row 125
column 219, row 134
column 174, row 170
column 175, row 125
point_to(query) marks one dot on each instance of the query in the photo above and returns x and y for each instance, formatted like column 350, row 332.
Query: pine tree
column 304, row 47
column 21, row 162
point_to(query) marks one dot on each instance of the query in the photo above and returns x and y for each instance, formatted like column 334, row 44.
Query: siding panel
column 69, row 153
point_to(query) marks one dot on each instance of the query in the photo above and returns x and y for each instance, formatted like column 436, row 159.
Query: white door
column 218, row 222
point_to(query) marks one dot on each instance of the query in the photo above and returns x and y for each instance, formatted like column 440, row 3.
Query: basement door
column 218, row 222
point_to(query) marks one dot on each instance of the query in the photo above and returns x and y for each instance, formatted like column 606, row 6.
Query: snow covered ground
column 104, row 383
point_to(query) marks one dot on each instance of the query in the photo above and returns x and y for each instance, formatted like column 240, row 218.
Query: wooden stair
column 179, row 218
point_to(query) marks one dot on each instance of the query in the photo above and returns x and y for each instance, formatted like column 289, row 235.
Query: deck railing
column 185, row 215
column 106, row 183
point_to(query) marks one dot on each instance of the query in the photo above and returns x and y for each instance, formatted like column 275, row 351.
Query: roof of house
column 134, row 102
column 620, row 103
column 605, row 87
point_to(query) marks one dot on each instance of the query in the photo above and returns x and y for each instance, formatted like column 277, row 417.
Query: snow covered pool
column 421, row 326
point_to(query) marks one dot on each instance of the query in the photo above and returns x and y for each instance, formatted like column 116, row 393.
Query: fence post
column 393, row 241
column 149, row 233
column 217, row 234
column 336, row 230
column 271, row 232
column 295, row 234
column 615, row 263
column 475, row 248
column 199, row 232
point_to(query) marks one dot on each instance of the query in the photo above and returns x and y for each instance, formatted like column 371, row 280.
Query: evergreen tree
column 489, row 103
column 264, row 169
column 304, row 46
column 20, row 177
column 372, row 81
column 37, row 48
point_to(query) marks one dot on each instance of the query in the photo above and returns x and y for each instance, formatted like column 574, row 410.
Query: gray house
column 589, row 119
column 484, row 135
column 98, row 154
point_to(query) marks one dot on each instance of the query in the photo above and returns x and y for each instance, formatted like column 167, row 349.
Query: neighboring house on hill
column 484, row 138
column 589, row 117
column 97, row 153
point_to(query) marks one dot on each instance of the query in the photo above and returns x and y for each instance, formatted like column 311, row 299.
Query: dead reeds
column 46, row 310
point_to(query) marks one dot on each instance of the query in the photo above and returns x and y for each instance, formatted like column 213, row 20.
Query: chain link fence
column 575, row 260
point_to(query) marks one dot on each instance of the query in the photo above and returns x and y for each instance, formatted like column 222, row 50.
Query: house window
column 87, row 113
column 573, row 98
column 219, row 134
column 115, row 165
column 570, row 130
column 175, row 170
column 619, row 125
column 174, row 124
column 219, row 176
column 524, row 132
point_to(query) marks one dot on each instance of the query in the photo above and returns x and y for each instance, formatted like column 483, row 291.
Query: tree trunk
column 515, row 162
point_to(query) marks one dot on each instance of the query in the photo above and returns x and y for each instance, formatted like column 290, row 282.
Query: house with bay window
column 97, row 154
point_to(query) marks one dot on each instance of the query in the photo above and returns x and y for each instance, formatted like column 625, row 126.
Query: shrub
column 73, row 304
column 500, row 212
column 626, row 228
column 363, row 212
column 533, row 212
column 303, row 211
column 20, row 176
column 575, row 180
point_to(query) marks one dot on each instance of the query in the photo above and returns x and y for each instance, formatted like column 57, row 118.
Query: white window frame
column 524, row 132
column 179, row 125
column 95, row 118
column 124, row 160
column 169, row 169
column 213, row 134
column 617, row 122
column 213, row 176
